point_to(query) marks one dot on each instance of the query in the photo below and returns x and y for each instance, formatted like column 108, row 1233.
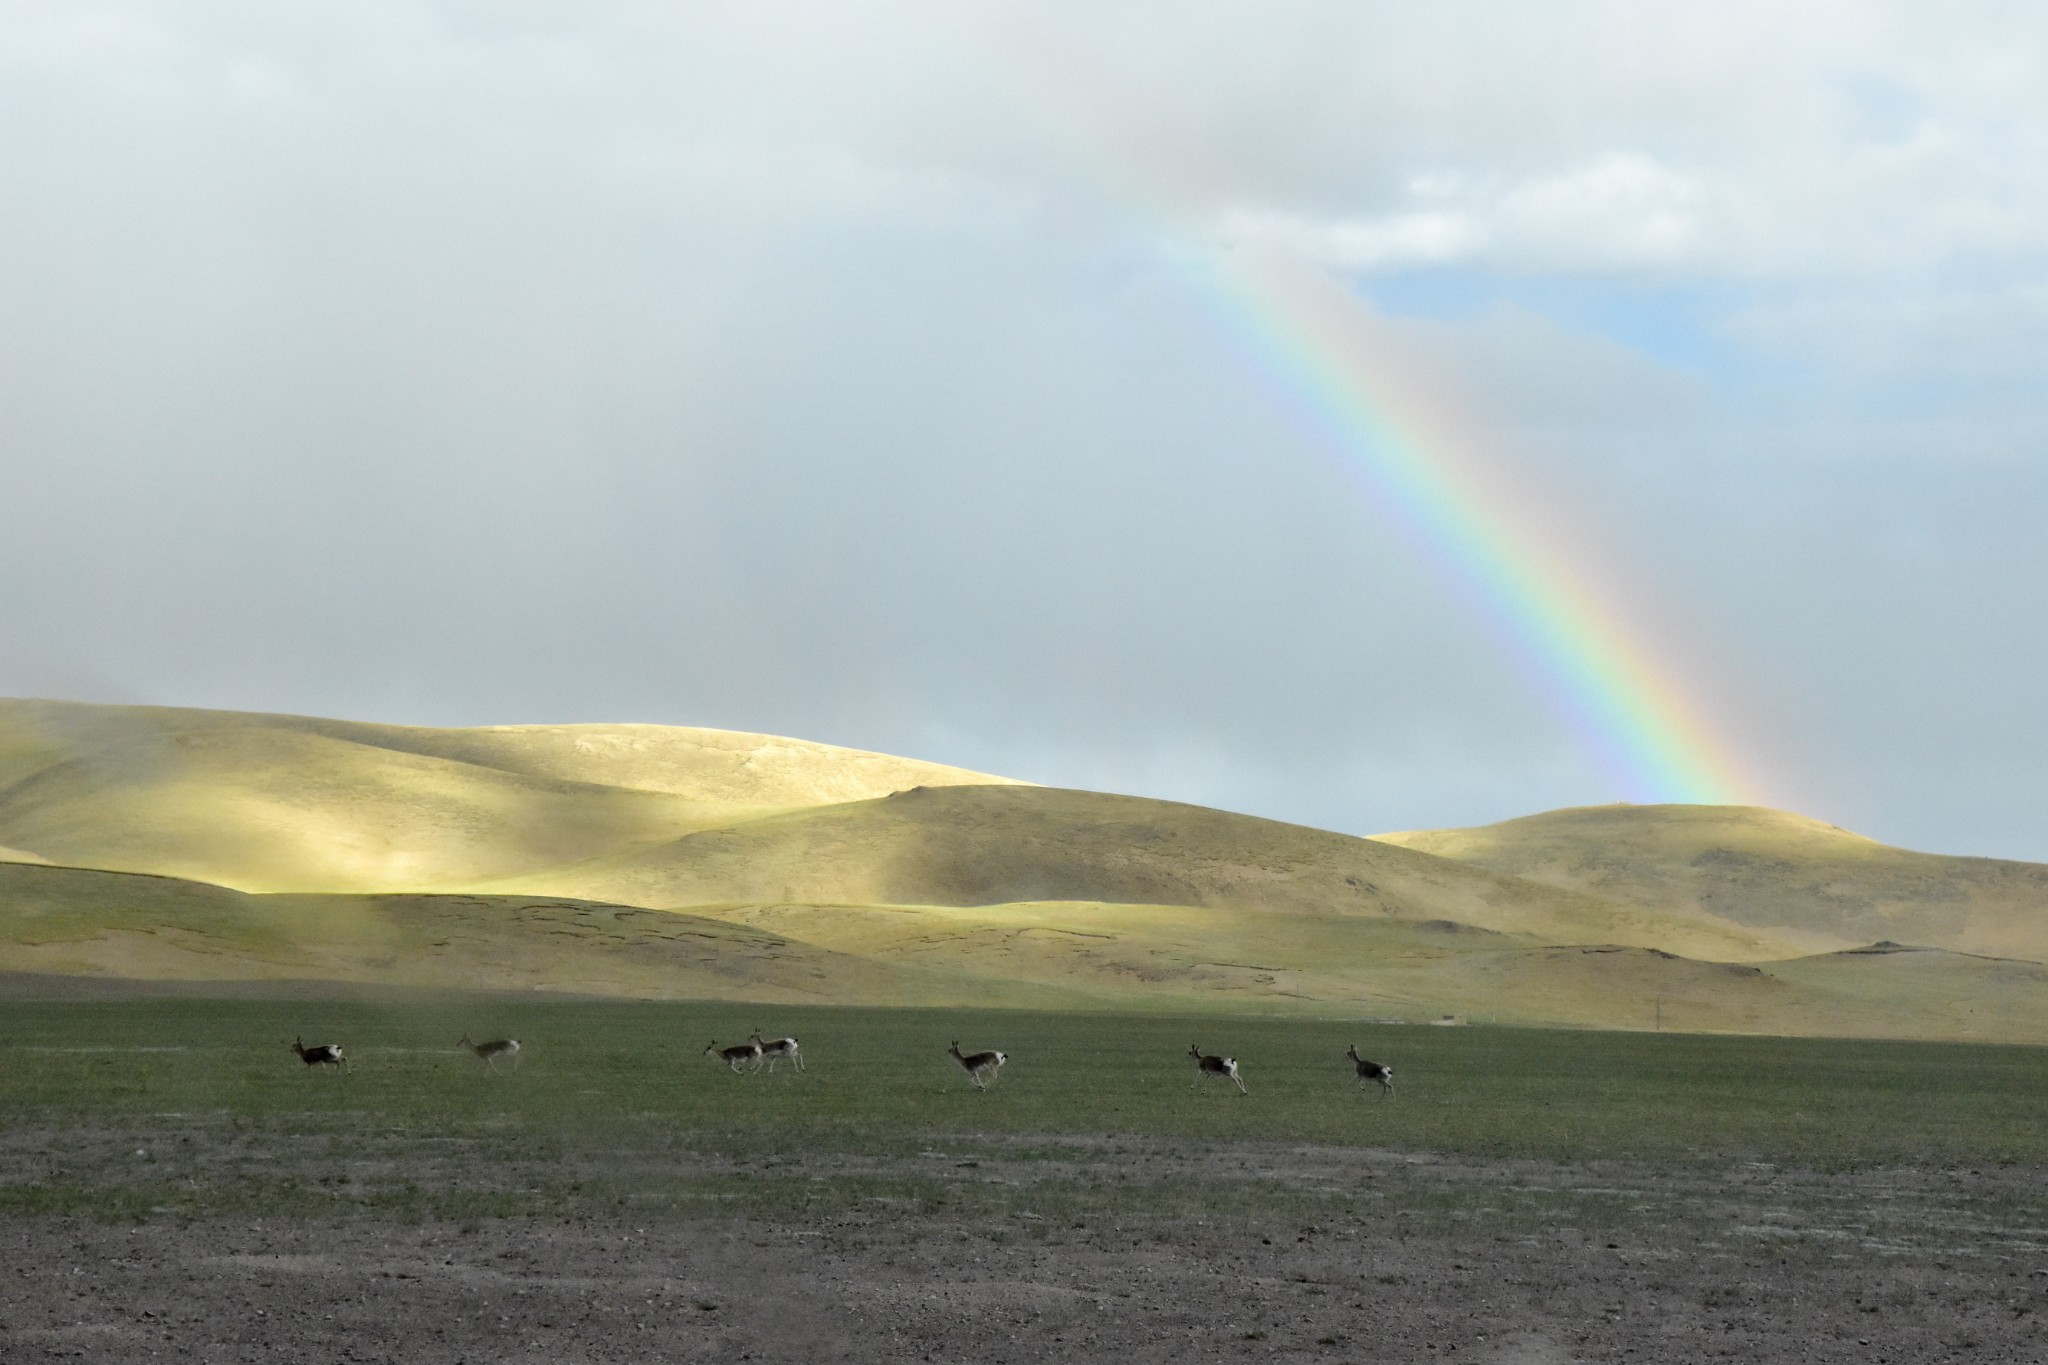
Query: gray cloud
column 818, row 371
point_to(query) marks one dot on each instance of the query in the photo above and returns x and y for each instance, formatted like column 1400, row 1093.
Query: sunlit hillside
column 155, row 845
column 276, row 803
column 1767, row 870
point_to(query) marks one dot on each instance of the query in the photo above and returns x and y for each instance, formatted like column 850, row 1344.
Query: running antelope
column 748, row 1052
column 488, row 1053
column 981, row 1067
column 1371, row 1071
column 322, row 1054
column 1207, row 1066
column 775, row 1050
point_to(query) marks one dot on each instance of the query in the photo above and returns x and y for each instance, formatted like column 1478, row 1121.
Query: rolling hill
column 1766, row 870
column 985, row 846
column 177, row 845
column 277, row 803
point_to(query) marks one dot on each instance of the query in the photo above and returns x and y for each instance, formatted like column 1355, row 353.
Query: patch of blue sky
column 1884, row 110
column 1679, row 325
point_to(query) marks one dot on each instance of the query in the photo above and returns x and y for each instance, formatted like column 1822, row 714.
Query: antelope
column 775, row 1050
column 1207, row 1066
column 322, row 1054
column 1371, row 1071
column 488, row 1053
column 980, row 1066
column 733, row 1056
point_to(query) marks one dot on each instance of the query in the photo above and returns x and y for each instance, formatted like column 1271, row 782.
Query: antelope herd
column 760, row 1051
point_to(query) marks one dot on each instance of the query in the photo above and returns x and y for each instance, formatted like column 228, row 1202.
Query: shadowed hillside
column 979, row 846
column 1767, row 870
column 74, row 922
column 96, row 928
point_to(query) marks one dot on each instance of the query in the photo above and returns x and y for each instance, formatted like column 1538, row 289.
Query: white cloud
column 1618, row 212
column 1435, row 237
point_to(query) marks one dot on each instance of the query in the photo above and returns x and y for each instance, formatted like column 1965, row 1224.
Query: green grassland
column 615, row 1102
column 879, row 1079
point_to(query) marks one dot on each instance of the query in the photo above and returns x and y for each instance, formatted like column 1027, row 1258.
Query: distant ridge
column 1766, row 869
column 666, row 862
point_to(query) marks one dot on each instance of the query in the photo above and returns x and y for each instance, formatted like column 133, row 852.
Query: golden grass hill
column 154, row 848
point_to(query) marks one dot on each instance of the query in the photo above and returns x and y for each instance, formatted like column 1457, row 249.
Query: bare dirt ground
column 999, row 1251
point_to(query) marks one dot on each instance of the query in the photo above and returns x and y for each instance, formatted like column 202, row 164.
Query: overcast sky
column 834, row 370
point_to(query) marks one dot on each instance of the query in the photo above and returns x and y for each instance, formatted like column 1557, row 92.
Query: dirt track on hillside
column 1629, row 1264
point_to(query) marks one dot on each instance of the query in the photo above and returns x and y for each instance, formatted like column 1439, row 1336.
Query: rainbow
column 1317, row 349
column 1426, row 470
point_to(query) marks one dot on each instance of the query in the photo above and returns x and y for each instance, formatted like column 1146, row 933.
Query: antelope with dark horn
column 981, row 1067
column 1371, row 1071
column 747, row 1053
column 1207, row 1066
column 775, row 1050
column 322, row 1054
